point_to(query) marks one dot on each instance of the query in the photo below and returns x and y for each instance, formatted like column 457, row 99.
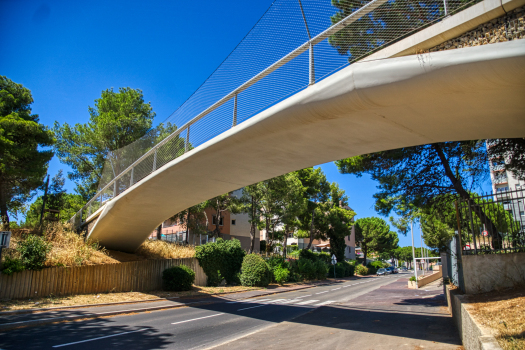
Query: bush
column 321, row 270
column 374, row 266
column 255, row 271
column 349, row 269
column 361, row 270
column 307, row 254
column 307, row 269
column 325, row 257
column 178, row 278
column 12, row 265
column 339, row 270
column 413, row 278
column 281, row 274
column 33, row 252
column 221, row 260
column 275, row 263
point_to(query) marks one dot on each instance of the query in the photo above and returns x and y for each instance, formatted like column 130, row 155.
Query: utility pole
column 44, row 201
column 413, row 249
column 421, row 237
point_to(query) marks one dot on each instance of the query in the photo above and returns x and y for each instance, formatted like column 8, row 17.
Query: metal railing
column 493, row 223
column 330, row 45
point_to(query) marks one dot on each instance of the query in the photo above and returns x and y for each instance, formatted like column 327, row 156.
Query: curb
column 22, row 324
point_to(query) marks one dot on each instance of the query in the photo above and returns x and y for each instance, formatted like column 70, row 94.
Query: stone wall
column 505, row 28
column 473, row 335
column 485, row 273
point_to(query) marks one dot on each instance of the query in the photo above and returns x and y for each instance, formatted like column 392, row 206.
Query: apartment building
column 232, row 226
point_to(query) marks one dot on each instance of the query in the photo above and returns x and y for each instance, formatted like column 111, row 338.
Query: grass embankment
column 504, row 313
column 71, row 249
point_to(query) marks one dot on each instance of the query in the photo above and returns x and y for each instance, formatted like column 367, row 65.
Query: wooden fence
column 137, row 276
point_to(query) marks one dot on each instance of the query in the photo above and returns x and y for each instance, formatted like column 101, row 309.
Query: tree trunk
column 311, row 230
column 285, row 241
column 188, row 227
column 159, row 232
column 364, row 250
column 3, row 208
column 252, row 229
column 496, row 244
column 268, row 241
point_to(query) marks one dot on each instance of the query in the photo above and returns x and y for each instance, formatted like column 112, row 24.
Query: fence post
column 187, row 140
column 311, row 71
column 234, row 111
column 114, row 189
column 131, row 180
column 445, row 4
column 155, row 160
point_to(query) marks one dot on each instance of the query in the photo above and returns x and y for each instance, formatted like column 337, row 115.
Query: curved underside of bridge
column 462, row 94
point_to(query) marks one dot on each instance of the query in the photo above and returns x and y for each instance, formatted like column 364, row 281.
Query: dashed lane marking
column 307, row 302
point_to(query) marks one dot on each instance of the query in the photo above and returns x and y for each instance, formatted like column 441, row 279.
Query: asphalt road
column 197, row 327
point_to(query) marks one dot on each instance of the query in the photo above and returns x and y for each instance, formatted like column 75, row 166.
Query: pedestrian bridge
column 368, row 106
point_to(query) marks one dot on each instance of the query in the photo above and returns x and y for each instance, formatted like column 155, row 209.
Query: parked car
column 389, row 269
column 403, row 269
column 395, row 270
column 381, row 272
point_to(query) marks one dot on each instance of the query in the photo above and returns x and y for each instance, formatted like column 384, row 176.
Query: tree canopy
column 374, row 235
column 23, row 153
column 116, row 120
column 510, row 153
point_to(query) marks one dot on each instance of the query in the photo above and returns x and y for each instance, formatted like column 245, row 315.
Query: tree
column 118, row 119
column 339, row 221
column 193, row 220
column 374, row 234
column 222, row 204
column 57, row 198
column 424, row 176
column 317, row 190
column 23, row 157
column 510, row 153
column 382, row 26
column 251, row 200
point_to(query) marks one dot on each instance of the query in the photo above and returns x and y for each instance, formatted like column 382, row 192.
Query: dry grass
column 102, row 298
column 153, row 249
column 504, row 313
column 68, row 248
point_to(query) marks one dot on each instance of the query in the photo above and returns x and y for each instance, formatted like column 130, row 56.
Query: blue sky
column 67, row 52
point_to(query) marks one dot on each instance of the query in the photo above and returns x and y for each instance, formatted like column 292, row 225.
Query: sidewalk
column 390, row 317
column 24, row 318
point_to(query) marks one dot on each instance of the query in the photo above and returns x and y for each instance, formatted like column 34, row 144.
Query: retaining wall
column 485, row 273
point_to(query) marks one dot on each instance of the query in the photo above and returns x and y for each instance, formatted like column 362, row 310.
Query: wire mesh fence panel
column 294, row 44
column 494, row 223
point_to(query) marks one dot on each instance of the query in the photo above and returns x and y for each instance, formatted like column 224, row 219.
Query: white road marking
column 275, row 301
column 289, row 301
column 336, row 288
column 107, row 336
column 199, row 318
column 307, row 302
column 322, row 292
column 252, row 307
column 325, row 303
column 304, row 296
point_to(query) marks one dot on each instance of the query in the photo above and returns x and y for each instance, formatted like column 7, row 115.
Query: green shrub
column 307, row 269
column 12, row 265
column 281, row 274
column 254, row 272
column 361, row 270
column 339, row 270
column 221, row 260
column 274, row 263
column 324, row 257
column 413, row 278
column 374, row 266
column 307, row 254
column 385, row 265
column 349, row 269
column 178, row 278
column 321, row 270
column 33, row 252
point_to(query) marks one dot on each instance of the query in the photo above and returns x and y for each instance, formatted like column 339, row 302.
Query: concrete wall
column 473, row 336
column 485, row 273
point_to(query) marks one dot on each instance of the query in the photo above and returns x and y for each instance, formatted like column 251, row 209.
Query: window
column 290, row 234
column 522, row 213
column 502, row 189
column 233, row 222
column 214, row 220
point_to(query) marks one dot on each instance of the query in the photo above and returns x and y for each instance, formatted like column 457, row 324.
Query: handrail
column 354, row 16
